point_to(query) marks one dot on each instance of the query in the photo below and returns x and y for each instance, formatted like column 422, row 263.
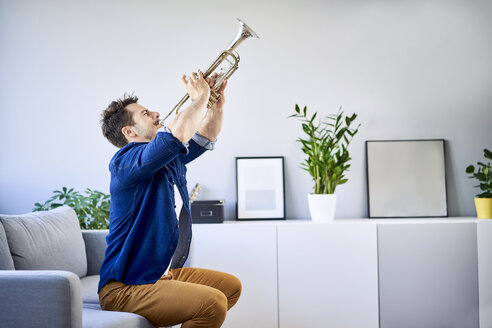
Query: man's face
column 146, row 122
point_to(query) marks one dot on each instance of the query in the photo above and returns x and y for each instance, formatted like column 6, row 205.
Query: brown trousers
column 191, row 296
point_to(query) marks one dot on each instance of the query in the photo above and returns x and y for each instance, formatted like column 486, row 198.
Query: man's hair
column 115, row 117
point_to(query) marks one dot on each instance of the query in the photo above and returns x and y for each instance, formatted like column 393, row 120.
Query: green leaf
column 487, row 194
column 484, row 186
column 487, row 153
column 470, row 169
column 480, row 176
column 347, row 121
column 312, row 118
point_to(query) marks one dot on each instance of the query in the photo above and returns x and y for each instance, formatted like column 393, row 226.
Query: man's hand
column 196, row 86
column 211, row 82
column 220, row 103
column 186, row 122
column 211, row 124
column 212, row 79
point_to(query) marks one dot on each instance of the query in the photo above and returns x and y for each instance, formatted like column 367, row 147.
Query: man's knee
column 217, row 305
column 235, row 288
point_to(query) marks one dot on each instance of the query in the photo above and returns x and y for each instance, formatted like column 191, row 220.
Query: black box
column 207, row 211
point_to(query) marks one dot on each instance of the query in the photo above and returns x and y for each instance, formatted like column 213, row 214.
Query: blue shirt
column 143, row 228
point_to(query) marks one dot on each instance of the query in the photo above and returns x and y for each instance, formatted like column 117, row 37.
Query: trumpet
column 226, row 55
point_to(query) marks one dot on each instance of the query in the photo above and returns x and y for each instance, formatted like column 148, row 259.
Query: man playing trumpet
column 149, row 232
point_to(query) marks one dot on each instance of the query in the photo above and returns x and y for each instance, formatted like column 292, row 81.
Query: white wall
column 410, row 69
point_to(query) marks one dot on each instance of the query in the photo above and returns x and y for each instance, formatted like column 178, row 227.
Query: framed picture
column 260, row 188
column 406, row 178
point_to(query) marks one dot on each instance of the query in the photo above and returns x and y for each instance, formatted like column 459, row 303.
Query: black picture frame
column 406, row 178
column 260, row 188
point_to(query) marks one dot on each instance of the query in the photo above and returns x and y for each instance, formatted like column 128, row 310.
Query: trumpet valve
column 214, row 98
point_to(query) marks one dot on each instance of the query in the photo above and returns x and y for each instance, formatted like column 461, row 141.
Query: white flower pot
column 322, row 207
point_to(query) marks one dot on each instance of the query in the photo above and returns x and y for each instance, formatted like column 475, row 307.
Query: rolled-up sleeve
column 203, row 142
column 197, row 146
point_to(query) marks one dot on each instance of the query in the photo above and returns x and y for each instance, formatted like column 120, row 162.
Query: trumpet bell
column 243, row 33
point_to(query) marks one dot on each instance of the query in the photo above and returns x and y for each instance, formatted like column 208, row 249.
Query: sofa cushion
column 6, row 262
column 89, row 289
column 95, row 318
column 48, row 240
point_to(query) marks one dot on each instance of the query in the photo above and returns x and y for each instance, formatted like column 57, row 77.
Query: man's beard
column 147, row 134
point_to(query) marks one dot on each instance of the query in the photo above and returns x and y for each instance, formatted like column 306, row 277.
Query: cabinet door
column 248, row 251
column 485, row 272
column 328, row 275
column 428, row 275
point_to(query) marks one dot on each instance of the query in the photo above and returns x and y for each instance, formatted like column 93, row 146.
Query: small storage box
column 207, row 211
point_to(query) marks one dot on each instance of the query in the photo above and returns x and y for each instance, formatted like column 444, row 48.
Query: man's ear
column 128, row 131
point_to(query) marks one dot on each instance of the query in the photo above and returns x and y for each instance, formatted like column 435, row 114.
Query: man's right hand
column 196, row 86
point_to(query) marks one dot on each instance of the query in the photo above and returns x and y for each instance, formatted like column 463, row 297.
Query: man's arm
column 145, row 159
column 186, row 122
column 211, row 125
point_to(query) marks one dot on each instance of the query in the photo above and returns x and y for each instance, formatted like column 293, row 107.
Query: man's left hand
column 211, row 81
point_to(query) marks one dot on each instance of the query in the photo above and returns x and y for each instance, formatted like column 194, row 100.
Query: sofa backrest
column 48, row 240
column 6, row 262
column 95, row 248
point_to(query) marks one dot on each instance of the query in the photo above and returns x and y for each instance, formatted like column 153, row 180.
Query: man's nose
column 156, row 114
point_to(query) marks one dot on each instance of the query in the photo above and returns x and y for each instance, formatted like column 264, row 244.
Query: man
column 147, row 245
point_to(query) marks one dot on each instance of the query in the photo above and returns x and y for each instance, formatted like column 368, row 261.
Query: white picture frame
column 260, row 188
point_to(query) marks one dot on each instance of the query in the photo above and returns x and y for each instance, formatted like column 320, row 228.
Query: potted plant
column 325, row 144
column 92, row 208
column 483, row 201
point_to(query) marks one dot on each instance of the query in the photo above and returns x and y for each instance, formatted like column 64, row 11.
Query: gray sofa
column 49, row 273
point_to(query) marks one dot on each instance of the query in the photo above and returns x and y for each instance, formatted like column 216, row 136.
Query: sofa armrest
column 95, row 246
column 38, row 298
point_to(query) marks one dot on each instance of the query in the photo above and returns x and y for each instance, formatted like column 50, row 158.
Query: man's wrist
column 218, row 109
column 203, row 98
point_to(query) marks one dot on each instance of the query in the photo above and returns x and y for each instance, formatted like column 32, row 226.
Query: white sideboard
column 358, row 273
